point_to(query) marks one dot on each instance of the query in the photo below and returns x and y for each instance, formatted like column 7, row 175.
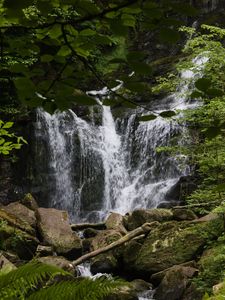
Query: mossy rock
column 17, row 241
column 174, row 243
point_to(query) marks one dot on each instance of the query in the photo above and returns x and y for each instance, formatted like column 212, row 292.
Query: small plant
column 9, row 141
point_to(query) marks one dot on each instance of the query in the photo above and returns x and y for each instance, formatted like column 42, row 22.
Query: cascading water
column 94, row 168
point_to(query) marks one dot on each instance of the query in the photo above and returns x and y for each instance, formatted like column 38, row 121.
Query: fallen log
column 144, row 229
column 82, row 226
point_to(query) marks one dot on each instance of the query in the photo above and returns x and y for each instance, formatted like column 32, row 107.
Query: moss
column 175, row 243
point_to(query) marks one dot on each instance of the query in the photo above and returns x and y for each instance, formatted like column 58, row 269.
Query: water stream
column 90, row 168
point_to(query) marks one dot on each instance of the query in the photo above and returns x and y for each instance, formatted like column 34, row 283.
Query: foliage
column 51, row 48
column 9, row 141
column 39, row 281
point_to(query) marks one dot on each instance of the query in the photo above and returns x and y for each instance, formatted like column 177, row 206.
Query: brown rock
column 44, row 250
column 5, row 264
column 22, row 212
column 115, row 221
column 55, row 230
column 29, row 202
column 182, row 214
column 58, row 261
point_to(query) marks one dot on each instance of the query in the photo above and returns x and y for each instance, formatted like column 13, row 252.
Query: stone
column 123, row 293
column 90, row 232
column 19, row 242
column 173, row 284
column 189, row 269
column 182, row 214
column 5, row 264
column 192, row 293
column 55, row 231
column 140, row 216
column 139, row 285
column 22, row 212
column 174, row 243
column 29, row 202
column 217, row 287
column 106, row 262
column 115, row 221
column 44, row 250
column 12, row 220
column 58, row 261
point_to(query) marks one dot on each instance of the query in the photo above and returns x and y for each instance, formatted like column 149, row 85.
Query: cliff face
column 15, row 178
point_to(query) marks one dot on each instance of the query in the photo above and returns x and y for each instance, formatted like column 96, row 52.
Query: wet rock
column 139, row 285
column 130, row 254
column 22, row 212
column 58, row 261
column 107, row 262
column 90, row 232
column 140, row 216
column 192, row 293
column 55, row 230
column 182, row 214
column 123, row 293
column 115, row 221
column 174, row 243
column 29, row 202
column 44, row 250
column 174, row 283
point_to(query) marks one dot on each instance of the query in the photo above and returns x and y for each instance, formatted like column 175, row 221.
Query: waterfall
column 92, row 167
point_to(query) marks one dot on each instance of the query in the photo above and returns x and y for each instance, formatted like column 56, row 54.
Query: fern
column 86, row 289
column 18, row 282
column 38, row 281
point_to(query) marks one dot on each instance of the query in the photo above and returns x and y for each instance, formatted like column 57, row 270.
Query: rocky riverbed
column 170, row 259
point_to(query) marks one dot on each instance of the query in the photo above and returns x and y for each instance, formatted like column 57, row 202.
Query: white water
column 112, row 166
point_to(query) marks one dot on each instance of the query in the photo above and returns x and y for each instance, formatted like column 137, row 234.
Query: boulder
column 174, row 243
column 29, row 202
column 115, row 221
column 55, row 231
column 174, row 283
column 189, row 269
column 139, row 285
column 22, row 212
column 123, row 293
column 140, row 216
column 58, row 261
column 19, row 242
column 10, row 219
column 5, row 265
column 90, row 232
column 193, row 293
column 182, row 214
column 106, row 262
column 44, row 250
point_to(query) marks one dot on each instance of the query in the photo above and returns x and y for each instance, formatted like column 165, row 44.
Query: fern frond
column 85, row 289
column 18, row 282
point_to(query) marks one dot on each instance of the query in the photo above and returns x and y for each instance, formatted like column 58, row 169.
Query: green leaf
column 117, row 61
column 220, row 187
column 8, row 125
column 55, row 32
column 141, row 68
column 118, row 27
column 213, row 92
column 135, row 86
column 87, row 32
column 212, row 132
column 136, row 56
column 203, row 84
column 196, row 94
column 128, row 104
column 147, row 118
column 46, row 58
column 84, row 100
column 169, row 35
column 167, row 114
column 64, row 51
column 109, row 102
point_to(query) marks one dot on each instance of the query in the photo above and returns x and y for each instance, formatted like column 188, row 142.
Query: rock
column 182, row 214
column 174, row 283
column 5, row 265
column 208, row 218
column 218, row 287
column 130, row 254
column 106, row 262
column 55, row 230
column 139, row 285
column 174, row 243
column 17, row 241
column 12, row 220
column 123, row 293
column 115, row 221
column 44, row 250
column 192, row 293
column 140, row 216
column 22, row 212
column 58, row 261
column 189, row 269
column 29, row 202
